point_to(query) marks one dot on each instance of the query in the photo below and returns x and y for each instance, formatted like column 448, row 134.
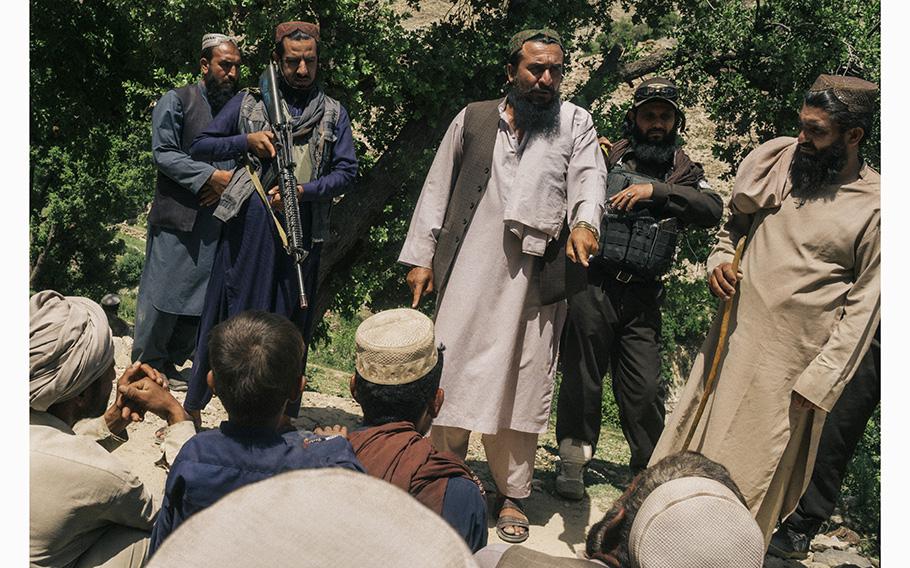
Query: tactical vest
column 253, row 118
column 635, row 242
column 175, row 206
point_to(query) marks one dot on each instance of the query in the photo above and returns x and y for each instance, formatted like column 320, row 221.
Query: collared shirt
column 216, row 462
column 570, row 165
column 77, row 490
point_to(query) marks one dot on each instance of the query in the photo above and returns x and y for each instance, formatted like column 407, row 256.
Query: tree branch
column 610, row 69
column 38, row 268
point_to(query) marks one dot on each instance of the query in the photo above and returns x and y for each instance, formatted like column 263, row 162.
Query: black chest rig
column 635, row 243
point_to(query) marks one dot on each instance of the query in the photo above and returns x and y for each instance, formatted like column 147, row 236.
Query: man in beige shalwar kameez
column 86, row 509
column 807, row 305
column 508, row 175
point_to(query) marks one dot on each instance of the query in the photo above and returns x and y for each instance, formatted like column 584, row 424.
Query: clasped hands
column 141, row 389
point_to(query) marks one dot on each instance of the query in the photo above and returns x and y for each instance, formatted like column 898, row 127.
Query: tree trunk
column 38, row 267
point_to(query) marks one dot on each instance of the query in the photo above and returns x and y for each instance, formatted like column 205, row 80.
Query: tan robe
column 501, row 343
column 804, row 315
column 84, row 504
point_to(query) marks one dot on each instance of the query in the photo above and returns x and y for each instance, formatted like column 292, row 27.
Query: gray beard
column 532, row 118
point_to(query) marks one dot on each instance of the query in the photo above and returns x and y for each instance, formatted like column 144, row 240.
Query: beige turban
column 69, row 347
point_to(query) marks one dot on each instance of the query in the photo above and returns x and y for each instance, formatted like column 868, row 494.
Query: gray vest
column 175, row 206
column 481, row 124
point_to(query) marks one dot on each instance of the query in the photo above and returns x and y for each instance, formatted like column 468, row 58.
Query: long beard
column 533, row 118
column 811, row 173
column 659, row 154
column 218, row 94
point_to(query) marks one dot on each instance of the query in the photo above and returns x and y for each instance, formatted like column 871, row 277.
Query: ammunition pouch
column 635, row 242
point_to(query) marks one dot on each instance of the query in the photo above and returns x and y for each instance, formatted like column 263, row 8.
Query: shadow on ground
column 310, row 417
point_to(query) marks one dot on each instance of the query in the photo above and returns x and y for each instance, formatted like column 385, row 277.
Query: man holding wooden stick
column 807, row 304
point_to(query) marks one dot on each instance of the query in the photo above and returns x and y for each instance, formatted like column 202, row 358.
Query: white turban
column 70, row 346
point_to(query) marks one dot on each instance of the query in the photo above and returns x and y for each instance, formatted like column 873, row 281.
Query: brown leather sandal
column 504, row 521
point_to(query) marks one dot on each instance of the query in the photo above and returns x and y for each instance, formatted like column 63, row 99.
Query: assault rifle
column 287, row 179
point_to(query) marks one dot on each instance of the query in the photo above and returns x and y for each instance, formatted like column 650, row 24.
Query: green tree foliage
column 750, row 63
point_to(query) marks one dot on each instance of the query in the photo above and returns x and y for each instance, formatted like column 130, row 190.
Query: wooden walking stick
column 721, row 339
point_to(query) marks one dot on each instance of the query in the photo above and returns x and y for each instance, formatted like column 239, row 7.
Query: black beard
column 659, row 154
column 218, row 95
column 811, row 173
column 532, row 118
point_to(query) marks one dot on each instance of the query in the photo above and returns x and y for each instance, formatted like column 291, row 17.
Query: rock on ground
column 841, row 559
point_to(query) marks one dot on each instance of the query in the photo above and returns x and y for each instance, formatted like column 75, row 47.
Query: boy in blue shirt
column 256, row 359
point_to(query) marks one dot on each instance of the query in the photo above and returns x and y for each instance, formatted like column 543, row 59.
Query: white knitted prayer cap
column 695, row 522
column 315, row 518
column 395, row 347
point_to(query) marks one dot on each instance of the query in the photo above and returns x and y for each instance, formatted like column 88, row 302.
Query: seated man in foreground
column 684, row 510
column 345, row 519
column 398, row 368
column 86, row 509
column 257, row 369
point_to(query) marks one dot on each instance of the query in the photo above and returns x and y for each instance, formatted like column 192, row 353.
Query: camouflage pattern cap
column 858, row 94
column 521, row 37
column 395, row 347
column 656, row 88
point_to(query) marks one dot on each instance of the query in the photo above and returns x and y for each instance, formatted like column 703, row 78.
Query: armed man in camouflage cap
column 807, row 306
column 614, row 320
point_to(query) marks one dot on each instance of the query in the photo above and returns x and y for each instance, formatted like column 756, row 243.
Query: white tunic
column 501, row 343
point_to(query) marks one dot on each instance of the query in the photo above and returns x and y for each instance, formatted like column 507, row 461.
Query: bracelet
column 588, row 226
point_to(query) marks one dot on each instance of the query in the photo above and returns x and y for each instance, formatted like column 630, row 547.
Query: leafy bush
column 860, row 499
column 129, row 268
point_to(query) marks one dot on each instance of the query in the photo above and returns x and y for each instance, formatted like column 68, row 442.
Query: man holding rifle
column 253, row 268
